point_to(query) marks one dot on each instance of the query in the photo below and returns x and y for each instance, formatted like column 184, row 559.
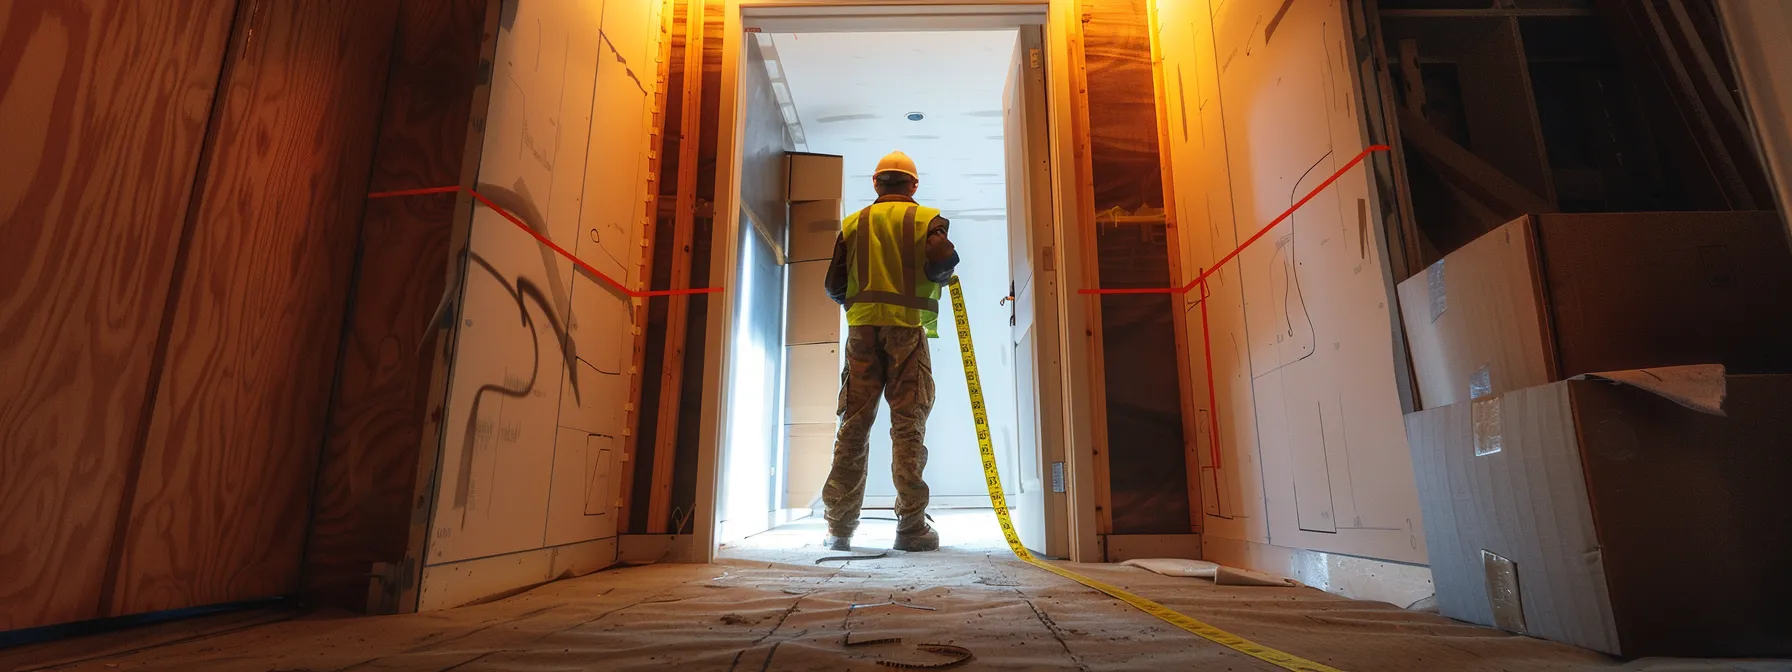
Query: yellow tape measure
column 993, row 479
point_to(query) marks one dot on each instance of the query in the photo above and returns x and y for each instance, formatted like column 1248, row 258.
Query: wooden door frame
column 1071, row 199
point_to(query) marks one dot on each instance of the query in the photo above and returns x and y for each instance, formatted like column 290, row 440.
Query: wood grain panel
column 369, row 464
column 105, row 106
column 229, row 458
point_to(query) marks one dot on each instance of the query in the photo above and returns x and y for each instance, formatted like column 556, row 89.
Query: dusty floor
column 767, row 606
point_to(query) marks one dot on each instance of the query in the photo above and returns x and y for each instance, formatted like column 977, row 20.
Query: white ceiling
column 852, row 92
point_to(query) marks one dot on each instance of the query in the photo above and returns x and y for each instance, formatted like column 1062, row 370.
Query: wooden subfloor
column 769, row 607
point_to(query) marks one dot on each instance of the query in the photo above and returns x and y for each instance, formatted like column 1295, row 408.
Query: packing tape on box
column 1484, row 410
column 1440, row 294
column 1486, row 417
column 1503, row 598
column 1480, row 383
column 993, row 478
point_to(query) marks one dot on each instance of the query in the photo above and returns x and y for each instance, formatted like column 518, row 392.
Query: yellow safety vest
column 886, row 285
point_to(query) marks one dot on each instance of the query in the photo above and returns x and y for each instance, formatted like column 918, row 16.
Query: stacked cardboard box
column 812, row 332
column 1588, row 470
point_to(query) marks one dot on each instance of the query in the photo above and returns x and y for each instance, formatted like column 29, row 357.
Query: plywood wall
column 368, row 470
column 105, row 106
column 182, row 226
column 220, row 508
column 541, row 376
column 1263, row 107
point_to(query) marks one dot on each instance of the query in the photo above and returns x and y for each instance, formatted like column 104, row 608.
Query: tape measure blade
column 993, row 480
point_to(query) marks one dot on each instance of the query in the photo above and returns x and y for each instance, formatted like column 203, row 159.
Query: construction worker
column 890, row 261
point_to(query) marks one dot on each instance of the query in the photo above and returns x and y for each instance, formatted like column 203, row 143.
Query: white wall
column 1312, row 451
column 541, row 374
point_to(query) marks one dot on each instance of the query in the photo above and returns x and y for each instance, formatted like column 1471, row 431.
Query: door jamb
column 1069, row 162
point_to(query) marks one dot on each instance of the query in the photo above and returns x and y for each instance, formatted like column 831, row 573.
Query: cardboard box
column 814, row 225
column 1609, row 517
column 815, row 177
column 813, row 384
column 813, row 317
column 1548, row 297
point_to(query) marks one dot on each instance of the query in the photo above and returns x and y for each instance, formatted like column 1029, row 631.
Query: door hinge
column 1033, row 58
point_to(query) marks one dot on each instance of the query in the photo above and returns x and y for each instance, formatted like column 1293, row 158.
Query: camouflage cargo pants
column 892, row 362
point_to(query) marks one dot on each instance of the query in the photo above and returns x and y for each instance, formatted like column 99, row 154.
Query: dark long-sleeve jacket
column 942, row 256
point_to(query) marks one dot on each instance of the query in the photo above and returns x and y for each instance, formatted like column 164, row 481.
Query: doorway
column 963, row 91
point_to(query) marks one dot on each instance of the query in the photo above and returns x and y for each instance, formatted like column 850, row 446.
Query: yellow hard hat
column 897, row 162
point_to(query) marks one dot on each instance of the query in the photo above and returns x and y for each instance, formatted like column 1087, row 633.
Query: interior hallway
column 768, row 606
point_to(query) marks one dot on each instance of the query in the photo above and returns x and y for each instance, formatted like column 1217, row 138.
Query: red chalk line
column 513, row 219
column 1213, row 423
column 1247, row 242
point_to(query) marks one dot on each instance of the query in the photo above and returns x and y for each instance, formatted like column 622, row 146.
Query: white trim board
column 483, row 579
column 1396, row 583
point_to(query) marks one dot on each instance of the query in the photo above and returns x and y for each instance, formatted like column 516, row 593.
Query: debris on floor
column 851, row 557
column 963, row 656
column 1201, row 569
column 983, row 600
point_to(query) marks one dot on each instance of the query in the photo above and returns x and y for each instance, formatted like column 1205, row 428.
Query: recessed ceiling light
column 916, row 116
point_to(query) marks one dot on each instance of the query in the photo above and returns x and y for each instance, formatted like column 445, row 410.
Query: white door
column 1038, row 491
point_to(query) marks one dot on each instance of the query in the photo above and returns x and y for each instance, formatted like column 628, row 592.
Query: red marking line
column 1247, row 242
column 513, row 219
column 1213, row 422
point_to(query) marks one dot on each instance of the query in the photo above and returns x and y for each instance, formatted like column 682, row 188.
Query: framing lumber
column 638, row 363
column 659, row 508
column 1470, row 173
column 1413, row 76
column 1191, row 440
column 1408, row 254
column 1087, row 230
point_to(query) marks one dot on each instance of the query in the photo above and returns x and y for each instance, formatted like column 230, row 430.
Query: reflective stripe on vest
column 907, row 293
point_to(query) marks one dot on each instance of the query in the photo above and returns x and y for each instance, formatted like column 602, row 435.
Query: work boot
column 837, row 543
column 923, row 539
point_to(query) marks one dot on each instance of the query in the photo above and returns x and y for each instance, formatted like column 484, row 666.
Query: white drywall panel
column 583, row 496
column 616, row 180
column 631, row 29
column 596, row 384
column 1207, row 230
column 1263, row 108
column 540, row 376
